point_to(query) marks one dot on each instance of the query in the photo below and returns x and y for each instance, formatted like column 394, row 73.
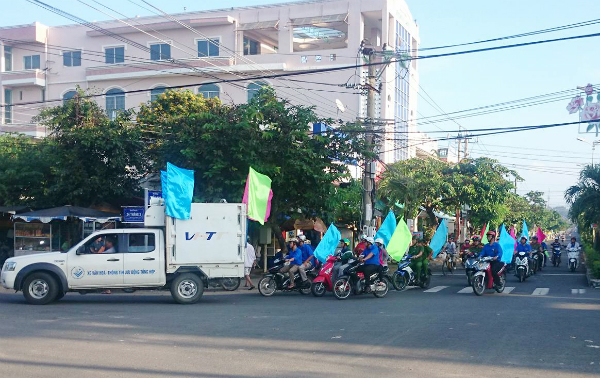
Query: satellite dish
column 340, row 105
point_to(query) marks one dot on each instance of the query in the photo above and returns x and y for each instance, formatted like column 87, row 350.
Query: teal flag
column 525, row 231
column 439, row 238
column 180, row 190
column 387, row 228
column 507, row 243
column 328, row 244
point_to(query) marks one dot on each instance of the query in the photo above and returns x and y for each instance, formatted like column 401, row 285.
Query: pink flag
column 540, row 235
column 512, row 232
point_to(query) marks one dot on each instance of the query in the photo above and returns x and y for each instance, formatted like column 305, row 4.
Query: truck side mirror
column 80, row 250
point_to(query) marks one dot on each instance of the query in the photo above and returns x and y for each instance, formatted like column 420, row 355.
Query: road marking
column 466, row 290
column 563, row 274
column 577, row 291
column 541, row 291
column 508, row 289
column 435, row 289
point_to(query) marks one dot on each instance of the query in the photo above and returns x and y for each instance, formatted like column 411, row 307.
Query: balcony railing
column 23, row 78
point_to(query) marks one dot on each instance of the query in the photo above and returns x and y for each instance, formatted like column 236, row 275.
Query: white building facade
column 130, row 61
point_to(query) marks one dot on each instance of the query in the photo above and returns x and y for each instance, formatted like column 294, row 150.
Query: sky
column 548, row 159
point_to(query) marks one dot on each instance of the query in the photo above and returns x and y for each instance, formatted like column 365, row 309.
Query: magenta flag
column 540, row 235
column 513, row 233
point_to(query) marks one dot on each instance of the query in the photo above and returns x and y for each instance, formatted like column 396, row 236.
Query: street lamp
column 593, row 144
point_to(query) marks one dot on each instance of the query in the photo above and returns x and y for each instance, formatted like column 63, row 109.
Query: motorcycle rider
column 415, row 251
column 294, row 258
column 476, row 246
column 573, row 244
column 360, row 247
column 555, row 245
column 535, row 246
column 493, row 249
column 370, row 258
column 522, row 246
column 345, row 254
column 383, row 255
column 308, row 258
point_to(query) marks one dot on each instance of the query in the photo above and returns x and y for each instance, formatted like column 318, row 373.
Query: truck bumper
column 8, row 279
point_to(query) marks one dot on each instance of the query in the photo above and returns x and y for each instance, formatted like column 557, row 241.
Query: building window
column 72, row 58
column 160, row 51
column 209, row 90
column 154, row 93
column 115, row 103
column 7, row 106
column 251, row 47
column 208, row 47
column 7, row 58
column 254, row 87
column 32, row 62
column 69, row 95
column 114, row 55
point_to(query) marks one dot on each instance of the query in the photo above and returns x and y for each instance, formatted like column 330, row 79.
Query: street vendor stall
column 51, row 229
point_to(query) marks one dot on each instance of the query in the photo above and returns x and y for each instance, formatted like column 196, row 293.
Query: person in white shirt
column 248, row 264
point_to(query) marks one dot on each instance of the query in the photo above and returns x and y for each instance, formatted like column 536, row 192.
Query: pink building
column 129, row 61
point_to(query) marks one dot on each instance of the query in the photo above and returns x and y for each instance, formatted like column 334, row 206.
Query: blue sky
column 548, row 159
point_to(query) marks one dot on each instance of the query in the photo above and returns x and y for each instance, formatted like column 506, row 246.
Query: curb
column 595, row 283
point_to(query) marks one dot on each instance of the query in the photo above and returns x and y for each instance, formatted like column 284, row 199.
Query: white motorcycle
column 522, row 266
column 573, row 258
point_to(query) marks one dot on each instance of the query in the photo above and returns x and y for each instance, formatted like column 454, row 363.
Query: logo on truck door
column 77, row 272
column 209, row 235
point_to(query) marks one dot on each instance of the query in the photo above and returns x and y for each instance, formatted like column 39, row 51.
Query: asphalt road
column 440, row 333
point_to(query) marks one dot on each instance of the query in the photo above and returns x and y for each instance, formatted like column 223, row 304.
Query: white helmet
column 379, row 241
column 302, row 238
column 370, row 239
column 293, row 240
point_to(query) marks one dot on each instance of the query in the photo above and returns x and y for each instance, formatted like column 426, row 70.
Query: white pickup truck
column 168, row 253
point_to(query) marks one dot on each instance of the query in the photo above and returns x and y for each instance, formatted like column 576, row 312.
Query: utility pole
column 368, row 182
column 458, row 149
column 467, row 147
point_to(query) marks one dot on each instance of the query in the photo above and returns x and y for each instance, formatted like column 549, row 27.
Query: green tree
column 584, row 197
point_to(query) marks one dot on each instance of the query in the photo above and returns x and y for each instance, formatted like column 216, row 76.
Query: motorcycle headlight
column 9, row 266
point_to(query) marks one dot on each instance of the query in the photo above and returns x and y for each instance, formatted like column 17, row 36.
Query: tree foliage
column 584, row 197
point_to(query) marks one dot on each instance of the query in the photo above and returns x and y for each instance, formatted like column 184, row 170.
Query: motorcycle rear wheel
column 399, row 281
column 342, row 288
column 231, row 284
column 425, row 283
column 267, row 286
column 381, row 288
column 521, row 275
column 318, row 289
column 478, row 285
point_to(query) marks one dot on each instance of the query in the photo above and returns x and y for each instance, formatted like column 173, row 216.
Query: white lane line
column 577, row 291
column 541, row 291
column 466, row 290
column 508, row 289
column 435, row 289
column 563, row 274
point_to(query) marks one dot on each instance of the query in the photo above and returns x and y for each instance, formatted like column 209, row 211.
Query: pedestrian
column 249, row 262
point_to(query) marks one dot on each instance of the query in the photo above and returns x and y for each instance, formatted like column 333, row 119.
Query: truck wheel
column 187, row 288
column 40, row 288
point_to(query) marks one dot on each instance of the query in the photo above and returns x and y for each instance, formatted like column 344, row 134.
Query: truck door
column 98, row 262
column 143, row 258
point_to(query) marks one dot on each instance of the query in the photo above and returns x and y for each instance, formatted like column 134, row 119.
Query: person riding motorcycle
column 476, row 246
column 573, row 244
column 523, row 247
column 415, row 252
column 360, row 247
column 556, row 243
column 493, row 249
column 294, row 258
column 535, row 246
column 308, row 259
column 344, row 255
column 370, row 258
column 383, row 255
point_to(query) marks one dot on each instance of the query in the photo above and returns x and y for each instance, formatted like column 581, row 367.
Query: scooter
column 522, row 266
column 322, row 282
column 573, row 258
column 348, row 284
column 539, row 259
column 469, row 262
column 483, row 279
column 274, row 280
column 404, row 276
column 556, row 256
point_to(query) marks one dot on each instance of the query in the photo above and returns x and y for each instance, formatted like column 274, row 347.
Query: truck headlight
column 10, row 266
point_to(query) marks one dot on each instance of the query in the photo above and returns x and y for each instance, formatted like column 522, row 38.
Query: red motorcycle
column 483, row 278
column 322, row 282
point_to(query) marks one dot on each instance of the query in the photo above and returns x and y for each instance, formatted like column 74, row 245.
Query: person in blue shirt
column 370, row 257
column 308, row 258
column 294, row 258
column 493, row 249
column 523, row 246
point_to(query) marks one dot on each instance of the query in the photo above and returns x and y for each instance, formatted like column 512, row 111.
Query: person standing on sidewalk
column 249, row 262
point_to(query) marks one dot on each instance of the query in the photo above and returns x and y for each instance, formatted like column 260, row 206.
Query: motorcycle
column 483, row 278
column 348, row 284
column 274, row 280
column 227, row 283
column 522, row 266
column 539, row 258
column 469, row 262
column 404, row 276
column 556, row 256
column 322, row 282
column 573, row 258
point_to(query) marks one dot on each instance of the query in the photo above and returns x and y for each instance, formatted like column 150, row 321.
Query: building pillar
column 1, row 82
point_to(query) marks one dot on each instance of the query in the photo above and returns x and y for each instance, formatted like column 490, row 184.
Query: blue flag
column 439, row 238
column 507, row 243
column 180, row 190
column 387, row 228
column 328, row 244
column 525, row 231
column 163, row 183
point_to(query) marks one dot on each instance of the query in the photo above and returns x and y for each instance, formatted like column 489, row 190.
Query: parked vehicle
column 522, row 266
column 573, row 258
column 322, row 282
column 227, row 283
column 404, row 276
column 556, row 251
column 180, row 255
column 470, row 269
column 276, row 281
column 483, row 278
column 348, row 283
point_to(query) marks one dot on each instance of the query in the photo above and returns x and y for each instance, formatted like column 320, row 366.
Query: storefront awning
column 259, row 25
column 65, row 212
column 320, row 19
